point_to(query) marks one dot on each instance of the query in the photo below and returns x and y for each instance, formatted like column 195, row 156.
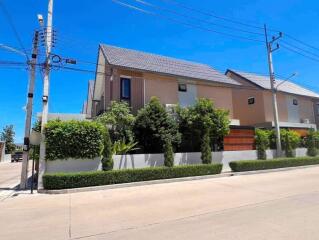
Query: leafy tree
column 206, row 151
column 289, row 141
column 119, row 119
column 311, row 143
column 153, row 125
column 107, row 154
column 168, row 153
column 7, row 136
column 195, row 120
column 262, row 143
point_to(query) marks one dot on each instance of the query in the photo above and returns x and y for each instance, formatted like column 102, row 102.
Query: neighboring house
column 135, row 76
column 87, row 105
column 297, row 106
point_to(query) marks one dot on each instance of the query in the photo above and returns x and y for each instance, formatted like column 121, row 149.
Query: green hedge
column 251, row 165
column 86, row 179
column 73, row 139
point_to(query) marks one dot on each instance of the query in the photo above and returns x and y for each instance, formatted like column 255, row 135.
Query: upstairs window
column 251, row 100
column 295, row 102
column 125, row 89
column 182, row 87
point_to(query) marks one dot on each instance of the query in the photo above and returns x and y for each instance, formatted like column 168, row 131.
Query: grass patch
column 251, row 165
column 98, row 178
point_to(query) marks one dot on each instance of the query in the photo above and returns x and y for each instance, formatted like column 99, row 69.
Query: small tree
column 153, row 124
column 262, row 143
column 119, row 119
column 311, row 143
column 290, row 141
column 206, row 151
column 7, row 136
column 107, row 154
column 168, row 153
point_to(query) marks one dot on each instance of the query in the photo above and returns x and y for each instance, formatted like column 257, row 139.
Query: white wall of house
column 156, row 160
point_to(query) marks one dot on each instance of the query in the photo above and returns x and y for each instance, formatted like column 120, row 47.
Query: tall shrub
column 311, row 141
column 206, row 151
column 195, row 120
column 107, row 154
column 168, row 153
column 262, row 143
column 73, row 139
column 290, row 141
column 119, row 119
column 153, row 124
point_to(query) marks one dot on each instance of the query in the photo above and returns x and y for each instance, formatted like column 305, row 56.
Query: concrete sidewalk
column 279, row 205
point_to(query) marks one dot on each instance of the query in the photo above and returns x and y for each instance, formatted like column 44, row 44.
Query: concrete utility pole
column 45, row 97
column 26, row 144
column 270, row 50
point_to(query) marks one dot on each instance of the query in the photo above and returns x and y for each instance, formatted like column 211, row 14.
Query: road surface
column 279, row 205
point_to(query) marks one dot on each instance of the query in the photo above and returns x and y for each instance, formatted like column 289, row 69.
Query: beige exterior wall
column 248, row 114
column 221, row 96
column 165, row 88
column 306, row 109
column 282, row 107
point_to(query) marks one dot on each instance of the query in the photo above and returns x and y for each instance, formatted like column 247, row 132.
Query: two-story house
column 135, row 76
column 297, row 107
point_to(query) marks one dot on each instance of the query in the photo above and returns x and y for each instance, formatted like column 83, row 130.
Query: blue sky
column 82, row 25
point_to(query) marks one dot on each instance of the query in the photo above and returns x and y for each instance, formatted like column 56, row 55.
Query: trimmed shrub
column 168, row 153
column 98, row 178
column 311, row 140
column 251, row 165
column 206, row 151
column 107, row 158
column 262, row 143
column 73, row 139
column 152, row 125
column 290, row 140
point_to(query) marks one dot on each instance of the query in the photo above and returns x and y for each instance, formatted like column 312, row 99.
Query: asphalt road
column 280, row 205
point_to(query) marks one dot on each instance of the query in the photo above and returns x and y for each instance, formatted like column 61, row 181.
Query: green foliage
column 7, row 136
column 122, row 148
column 98, row 178
column 119, row 119
column 262, row 143
column 289, row 140
column 107, row 154
column 73, row 139
column 252, row 165
column 312, row 141
column 153, row 125
column 195, row 120
column 206, row 151
column 168, row 153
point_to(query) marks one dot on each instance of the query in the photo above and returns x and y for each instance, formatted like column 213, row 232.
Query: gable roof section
column 138, row 60
column 264, row 82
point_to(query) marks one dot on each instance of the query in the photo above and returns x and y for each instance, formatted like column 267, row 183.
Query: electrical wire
column 299, row 53
column 190, row 25
column 145, row 3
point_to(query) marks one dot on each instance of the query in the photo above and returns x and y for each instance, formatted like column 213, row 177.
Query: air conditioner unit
column 305, row 120
column 170, row 107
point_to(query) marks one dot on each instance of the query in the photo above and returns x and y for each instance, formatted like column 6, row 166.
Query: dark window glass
column 251, row 100
column 295, row 102
column 182, row 87
column 125, row 88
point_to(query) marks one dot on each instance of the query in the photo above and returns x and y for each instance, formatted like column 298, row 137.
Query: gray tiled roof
column 159, row 64
column 288, row 87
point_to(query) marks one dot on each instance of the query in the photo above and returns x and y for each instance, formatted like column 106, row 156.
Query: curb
column 172, row 180
column 133, row 184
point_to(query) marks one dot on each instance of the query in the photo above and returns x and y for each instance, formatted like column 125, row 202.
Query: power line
column 182, row 5
column 145, row 3
column 302, row 42
column 184, row 23
column 299, row 48
column 299, row 53
column 8, row 16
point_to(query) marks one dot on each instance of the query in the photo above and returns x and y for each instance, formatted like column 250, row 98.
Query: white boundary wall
column 153, row 160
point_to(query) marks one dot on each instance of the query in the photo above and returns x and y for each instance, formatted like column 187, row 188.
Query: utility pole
column 26, row 142
column 45, row 97
column 270, row 50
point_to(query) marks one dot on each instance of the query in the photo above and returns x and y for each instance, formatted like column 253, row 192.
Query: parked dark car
column 17, row 156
